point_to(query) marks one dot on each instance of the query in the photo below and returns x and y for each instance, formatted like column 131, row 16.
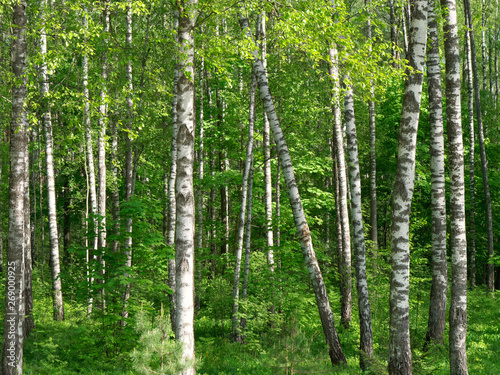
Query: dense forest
column 249, row 187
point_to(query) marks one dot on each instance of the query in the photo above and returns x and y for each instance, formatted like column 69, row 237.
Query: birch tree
column 458, row 242
column 57, row 298
column 482, row 150
column 399, row 326
column 439, row 286
column 472, row 184
column 12, row 345
column 365, row 324
column 185, row 216
column 325, row 312
column 171, row 187
column 242, row 217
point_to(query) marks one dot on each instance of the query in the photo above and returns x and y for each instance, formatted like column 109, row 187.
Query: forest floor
column 94, row 346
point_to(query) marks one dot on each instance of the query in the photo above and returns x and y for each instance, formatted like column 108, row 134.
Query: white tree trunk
column 325, row 312
column 439, row 286
column 12, row 348
column 101, row 150
column 399, row 327
column 458, row 241
column 57, row 298
column 91, row 168
column 185, row 202
column 241, row 219
column 365, row 324
column 129, row 168
column 342, row 215
column 171, row 187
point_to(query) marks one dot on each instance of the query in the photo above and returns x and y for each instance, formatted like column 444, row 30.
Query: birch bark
column 482, row 150
column 325, row 312
column 241, row 218
column 343, row 215
column 171, row 187
column 439, row 286
column 12, row 347
column 458, row 242
column 129, row 165
column 57, row 298
column 101, row 149
column 365, row 324
column 472, row 187
column 185, row 216
column 399, row 328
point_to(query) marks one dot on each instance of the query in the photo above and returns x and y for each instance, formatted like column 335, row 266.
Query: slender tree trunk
column 495, row 41
column 472, row 188
column 241, row 219
column 325, row 312
column 57, row 298
column 268, row 191
column 1, row 205
column 101, row 151
column 129, row 167
column 394, row 42
column 248, row 237
column 458, row 242
column 482, row 150
column 373, row 155
column 199, row 193
column 91, row 169
column 399, row 326
column 365, row 324
column 116, row 191
column 405, row 30
column 185, row 218
column 171, row 189
column 439, row 286
column 12, row 348
column 338, row 146
column 29, row 320
column 483, row 41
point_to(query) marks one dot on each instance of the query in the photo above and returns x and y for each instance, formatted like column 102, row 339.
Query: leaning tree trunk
column 12, row 348
column 241, row 219
column 365, row 323
column 399, row 326
column 458, row 242
column 472, row 184
column 325, row 312
column 185, row 218
column 344, row 260
column 439, row 286
column 57, row 298
column 482, row 150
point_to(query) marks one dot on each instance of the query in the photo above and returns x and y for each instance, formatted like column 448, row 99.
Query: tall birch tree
column 185, row 200
column 482, row 149
column 12, row 344
column 242, row 216
column 439, row 286
column 458, row 242
column 399, row 326
column 365, row 324
column 57, row 298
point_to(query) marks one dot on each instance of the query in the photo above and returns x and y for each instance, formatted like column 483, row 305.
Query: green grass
column 82, row 346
